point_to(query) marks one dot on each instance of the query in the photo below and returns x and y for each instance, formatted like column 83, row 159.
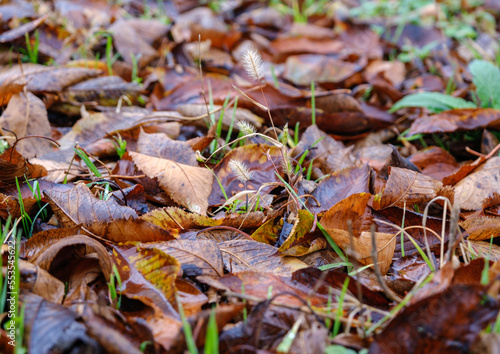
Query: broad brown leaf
column 187, row 185
column 482, row 228
column 407, row 186
column 51, row 258
column 242, row 255
column 338, row 186
column 26, row 115
column 201, row 257
column 13, row 165
column 471, row 192
column 457, row 119
column 302, row 69
column 439, row 322
column 132, row 261
column 161, row 146
column 53, row 327
column 355, row 209
column 253, row 156
column 40, row 282
column 106, row 218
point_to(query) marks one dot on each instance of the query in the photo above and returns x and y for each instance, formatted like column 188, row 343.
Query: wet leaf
column 53, row 327
column 302, row 69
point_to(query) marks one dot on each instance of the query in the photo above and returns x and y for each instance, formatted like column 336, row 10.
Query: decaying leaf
column 406, row 186
column 26, row 115
column 471, row 191
column 359, row 242
column 187, row 185
column 78, row 206
column 242, row 255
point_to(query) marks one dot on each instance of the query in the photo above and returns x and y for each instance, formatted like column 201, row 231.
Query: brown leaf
column 39, row 241
column 26, row 115
column 485, row 249
column 302, row 69
column 457, row 119
column 161, row 146
column 435, row 162
column 40, row 78
column 201, row 257
column 132, row 261
column 414, row 226
column 407, row 186
column 338, row 186
column 13, row 165
column 20, row 31
column 96, row 125
column 353, row 208
column 106, row 218
column 331, row 155
column 253, row 156
column 240, row 114
column 52, row 257
column 187, row 185
column 132, row 44
column 38, row 281
column 437, row 323
column 242, row 255
column 482, row 228
column 471, row 191
column 53, row 326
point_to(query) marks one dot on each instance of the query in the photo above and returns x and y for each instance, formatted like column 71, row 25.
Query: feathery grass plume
column 252, row 63
column 245, row 127
column 240, row 170
column 285, row 135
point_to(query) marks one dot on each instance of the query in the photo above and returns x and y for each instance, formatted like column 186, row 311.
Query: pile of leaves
column 243, row 176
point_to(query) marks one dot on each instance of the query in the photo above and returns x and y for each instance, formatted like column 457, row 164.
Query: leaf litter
column 249, row 176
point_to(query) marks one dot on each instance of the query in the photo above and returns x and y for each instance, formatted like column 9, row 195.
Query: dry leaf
column 187, row 185
column 407, row 186
column 481, row 184
column 26, row 115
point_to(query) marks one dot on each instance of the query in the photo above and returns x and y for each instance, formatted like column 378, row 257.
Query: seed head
column 240, row 170
column 285, row 135
column 252, row 63
column 245, row 127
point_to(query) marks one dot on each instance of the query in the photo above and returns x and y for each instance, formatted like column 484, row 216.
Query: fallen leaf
column 254, row 158
column 472, row 190
column 187, row 185
column 406, row 186
column 201, row 257
column 456, row 315
column 456, row 120
column 359, row 242
column 243, row 255
column 105, row 218
column 26, row 115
